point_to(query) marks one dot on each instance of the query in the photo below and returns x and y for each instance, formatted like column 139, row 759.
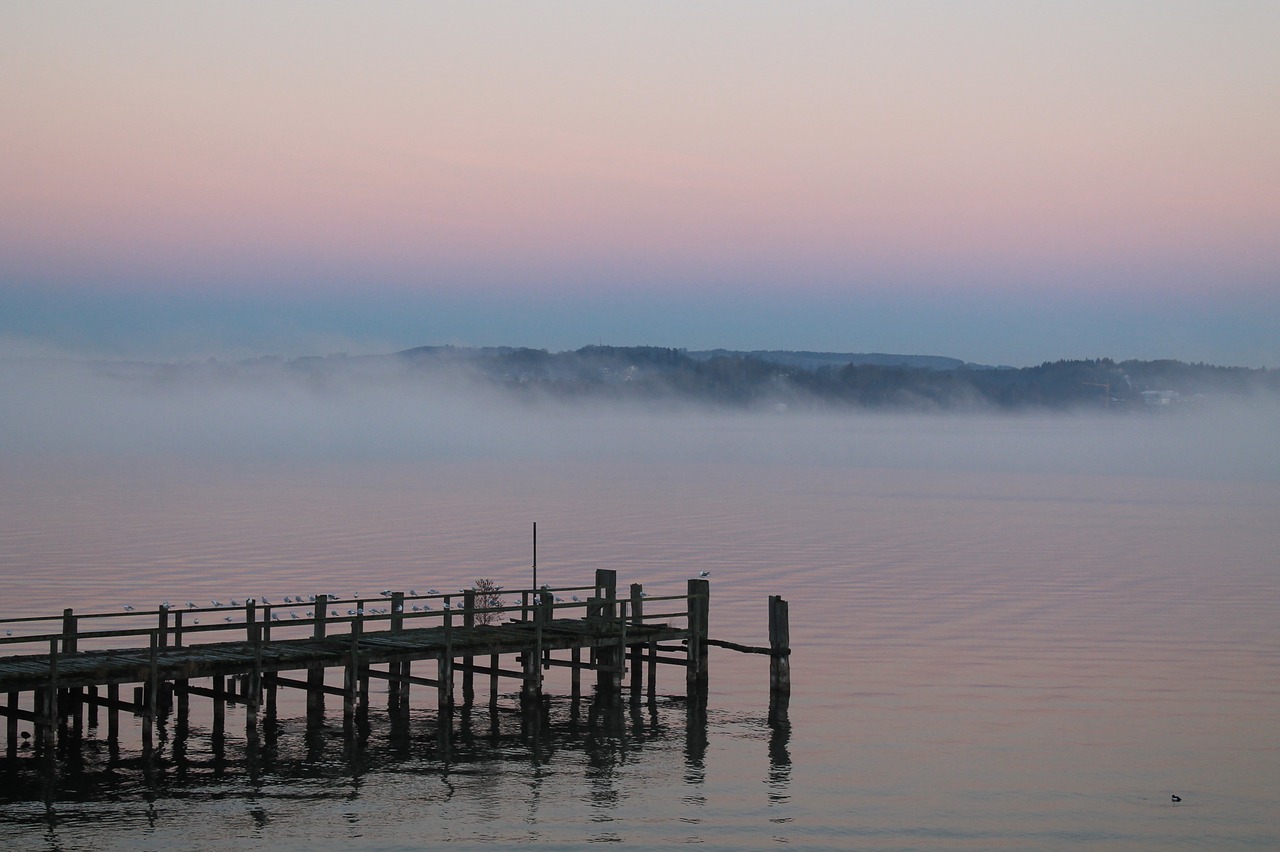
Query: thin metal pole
column 535, row 556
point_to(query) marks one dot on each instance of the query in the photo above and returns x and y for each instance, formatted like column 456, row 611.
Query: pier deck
column 210, row 659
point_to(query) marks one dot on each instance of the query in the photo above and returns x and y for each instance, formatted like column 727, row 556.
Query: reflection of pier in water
column 469, row 745
column 611, row 633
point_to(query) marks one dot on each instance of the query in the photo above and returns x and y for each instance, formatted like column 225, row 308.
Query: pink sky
column 824, row 149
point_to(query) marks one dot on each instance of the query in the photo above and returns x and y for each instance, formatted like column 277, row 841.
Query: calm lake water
column 1017, row 633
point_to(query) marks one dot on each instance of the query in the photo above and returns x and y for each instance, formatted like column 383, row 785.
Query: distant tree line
column 747, row 380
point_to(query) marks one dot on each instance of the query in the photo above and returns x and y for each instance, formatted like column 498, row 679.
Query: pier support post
column 352, row 678
column 444, row 665
column 604, row 607
column 254, row 694
column 637, row 651
column 699, row 608
column 531, row 689
column 11, row 725
column 779, row 647
column 113, row 712
column 51, row 698
column 71, row 698
column 219, row 704
column 468, row 622
column 398, row 683
column 493, row 680
column 315, row 675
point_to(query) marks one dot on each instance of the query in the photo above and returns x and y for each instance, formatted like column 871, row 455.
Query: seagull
column 215, row 603
column 267, row 602
column 275, row 616
column 704, row 574
column 293, row 615
column 228, row 619
column 432, row 592
column 577, row 599
column 196, row 620
column 1175, row 798
column 191, row 604
column 386, row 593
column 128, row 608
column 426, row 607
column 413, row 592
column 234, row 602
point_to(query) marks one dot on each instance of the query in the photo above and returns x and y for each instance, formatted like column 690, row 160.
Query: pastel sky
column 1004, row 182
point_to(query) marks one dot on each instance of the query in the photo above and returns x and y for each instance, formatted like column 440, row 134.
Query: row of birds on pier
column 301, row 600
column 290, row 600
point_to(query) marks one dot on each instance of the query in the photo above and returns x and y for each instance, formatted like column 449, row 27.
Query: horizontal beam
column 302, row 684
column 749, row 649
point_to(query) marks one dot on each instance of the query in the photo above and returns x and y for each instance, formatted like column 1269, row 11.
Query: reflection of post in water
column 779, row 742
column 535, row 721
column 695, row 747
column 444, row 734
column 252, row 747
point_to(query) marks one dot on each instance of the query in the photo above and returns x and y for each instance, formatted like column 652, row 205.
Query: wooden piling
column 11, row 725
column 637, row 651
column 51, row 697
column 468, row 622
column 699, row 609
column 315, row 674
column 113, row 712
column 779, row 646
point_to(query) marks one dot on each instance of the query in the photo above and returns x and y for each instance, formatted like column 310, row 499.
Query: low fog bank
column 369, row 409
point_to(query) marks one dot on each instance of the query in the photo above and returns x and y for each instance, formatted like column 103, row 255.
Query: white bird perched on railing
column 704, row 574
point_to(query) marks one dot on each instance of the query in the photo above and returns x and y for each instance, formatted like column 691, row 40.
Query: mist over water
column 1009, row 631
column 363, row 412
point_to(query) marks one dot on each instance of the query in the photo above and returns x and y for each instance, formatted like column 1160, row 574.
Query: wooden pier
column 169, row 656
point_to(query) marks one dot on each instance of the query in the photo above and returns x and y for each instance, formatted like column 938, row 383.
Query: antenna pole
column 535, row 556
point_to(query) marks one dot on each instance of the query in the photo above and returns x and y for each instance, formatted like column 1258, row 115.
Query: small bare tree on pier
column 488, row 597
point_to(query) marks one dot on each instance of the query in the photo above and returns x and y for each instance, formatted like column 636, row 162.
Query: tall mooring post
column 604, row 607
column 699, row 612
column 779, row 647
